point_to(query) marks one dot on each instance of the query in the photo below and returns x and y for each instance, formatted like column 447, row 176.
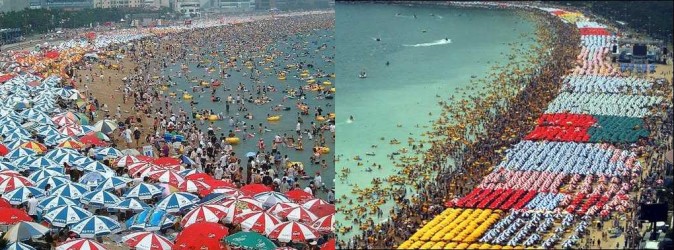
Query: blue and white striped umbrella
column 41, row 162
column 42, row 174
column 7, row 166
column 71, row 190
column 87, row 128
column 143, row 191
column 20, row 195
column 46, row 130
column 19, row 152
column 176, row 201
column 19, row 246
column 92, row 179
column 114, row 182
column 133, row 204
column 43, row 119
column 53, row 181
column 108, row 152
column 13, row 136
column 62, row 216
column 150, row 220
column 83, row 161
column 23, row 162
column 15, row 144
column 94, row 166
column 53, row 140
column 6, row 129
column 19, row 131
column 186, row 160
column 100, row 198
column 56, row 154
column 95, row 226
column 55, row 201
column 269, row 199
column 69, row 158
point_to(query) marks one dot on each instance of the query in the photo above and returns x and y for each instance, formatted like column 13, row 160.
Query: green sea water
column 429, row 56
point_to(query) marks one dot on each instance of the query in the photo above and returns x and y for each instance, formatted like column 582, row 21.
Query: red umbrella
column 199, row 176
column 11, row 216
column 219, row 183
column 201, row 235
column 325, row 224
column 92, row 139
column 253, row 189
column 51, row 54
column 144, row 158
column 3, row 150
column 329, row 245
column 4, row 203
column 167, row 161
column 298, row 214
column 257, row 221
column 323, row 210
column 299, row 195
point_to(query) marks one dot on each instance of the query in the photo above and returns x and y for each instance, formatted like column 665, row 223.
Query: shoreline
column 464, row 144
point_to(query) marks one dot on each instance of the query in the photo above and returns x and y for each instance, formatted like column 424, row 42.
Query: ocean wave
column 438, row 42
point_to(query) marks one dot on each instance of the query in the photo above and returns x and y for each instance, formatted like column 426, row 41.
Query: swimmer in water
column 351, row 118
column 446, row 39
column 378, row 39
column 415, row 16
column 387, row 63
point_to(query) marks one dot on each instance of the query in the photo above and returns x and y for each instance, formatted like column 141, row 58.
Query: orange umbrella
column 35, row 146
column 70, row 143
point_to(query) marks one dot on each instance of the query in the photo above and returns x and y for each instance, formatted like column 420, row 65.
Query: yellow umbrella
column 35, row 146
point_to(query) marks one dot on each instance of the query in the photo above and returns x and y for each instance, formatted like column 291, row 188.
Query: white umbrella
column 25, row 230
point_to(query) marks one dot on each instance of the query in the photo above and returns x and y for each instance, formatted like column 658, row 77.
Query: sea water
column 317, row 56
column 429, row 56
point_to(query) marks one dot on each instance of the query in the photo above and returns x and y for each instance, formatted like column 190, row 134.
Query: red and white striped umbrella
column 142, row 168
column 275, row 209
column 81, row 244
column 192, row 186
column 166, row 176
column 207, row 213
column 325, row 224
column 228, row 191
column 147, row 241
column 127, row 160
column 293, row 231
column 298, row 214
column 63, row 120
column 257, row 221
column 12, row 182
column 239, row 205
column 313, row 202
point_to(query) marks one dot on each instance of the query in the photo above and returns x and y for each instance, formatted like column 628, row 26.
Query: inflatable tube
column 205, row 83
column 299, row 164
column 233, row 140
column 311, row 81
column 333, row 90
column 304, row 75
column 172, row 94
column 281, row 78
column 327, row 83
column 323, row 150
column 187, row 96
column 216, row 84
column 197, row 116
column 332, row 75
column 163, row 87
column 331, row 116
column 274, row 118
column 213, row 118
column 320, row 118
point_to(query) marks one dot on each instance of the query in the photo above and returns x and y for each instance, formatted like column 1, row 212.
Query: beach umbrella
column 198, row 176
column 133, row 204
column 43, row 174
column 4, row 203
column 147, row 241
column 166, row 176
column 126, row 160
column 151, row 220
column 19, row 152
column 100, row 198
column 92, row 179
column 87, row 129
column 281, row 206
column 41, row 162
column 95, row 226
column 24, row 231
column 141, row 168
column 253, row 189
column 7, row 166
column 269, row 199
column 14, row 144
column 293, row 231
column 208, row 213
column 166, row 162
column 108, row 152
column 239, row 205
column 313, row 202
column 15, row 135
column 70, row 190
column 95, row 166
column 329, row 245
column 298, row 214
column 177, row 201
column 70, row 130
column 130, row 152
column 3, row 149
column 105, row 126
column 55, row 201
column 62, row 120
column 192, row 186
column 99, row 135
column 20, row 195
column 82, row 118
column 201, row 235
column 325, row 224
column 187, row 172
column 14, row 182
column 299, row 195
column 93, row 140
column 143, row 191
column 19, row 246
column 250, row 240
column 56, row 154
column 114, row 182
column 81, row 244
column 257, row 221
column 186, row 160
column 62, row 216
column 11, row 216
column 23, row 163
column 53, row 140
column 251, row 154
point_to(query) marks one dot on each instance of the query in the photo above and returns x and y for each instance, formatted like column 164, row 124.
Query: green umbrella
column 82, row 118
column 250, row 240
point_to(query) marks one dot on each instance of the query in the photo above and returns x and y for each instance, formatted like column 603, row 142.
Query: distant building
column 13, row 5
column 66, row 4
column 117, row 3
column 186, row 7
column 156, row 3
column 233, row 5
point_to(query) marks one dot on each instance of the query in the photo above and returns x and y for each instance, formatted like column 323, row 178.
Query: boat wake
column 438, row 42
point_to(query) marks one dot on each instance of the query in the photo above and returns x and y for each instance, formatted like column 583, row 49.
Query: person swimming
column 387, row 63
column 350, row 118
column 446, row 39
column 377, row 39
